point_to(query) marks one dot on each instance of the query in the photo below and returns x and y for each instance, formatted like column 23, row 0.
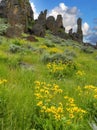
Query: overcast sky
column 71, row 10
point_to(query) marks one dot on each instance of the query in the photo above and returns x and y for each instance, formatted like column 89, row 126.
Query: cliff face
column 19, row 15
column 17, row 12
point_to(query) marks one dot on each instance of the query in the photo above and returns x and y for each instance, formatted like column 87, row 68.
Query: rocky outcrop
column 14, row 31
column 42, row 18
column 17, row 12
column 19, row 15
column 59, row 21
column 78, row 36
column 50, row 23
column 53, row 25
column 39, row 27
column 79, row 30
column 38, row 30
column 3, row 11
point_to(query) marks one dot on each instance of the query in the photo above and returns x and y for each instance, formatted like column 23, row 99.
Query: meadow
column 50, row 84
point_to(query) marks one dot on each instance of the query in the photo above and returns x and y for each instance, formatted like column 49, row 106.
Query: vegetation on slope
column 47, row 85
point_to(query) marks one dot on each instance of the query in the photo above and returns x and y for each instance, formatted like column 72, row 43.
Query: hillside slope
column 47, row 85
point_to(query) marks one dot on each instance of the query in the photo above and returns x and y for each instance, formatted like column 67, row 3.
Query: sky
column 71, row 10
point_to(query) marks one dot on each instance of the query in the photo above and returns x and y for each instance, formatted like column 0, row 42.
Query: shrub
column 70, row 53
column 48, row 43
column 18, row 41
column 14, row 61
column 56, row 58
column 14, row 48
column 87, row 49
column 3, row 26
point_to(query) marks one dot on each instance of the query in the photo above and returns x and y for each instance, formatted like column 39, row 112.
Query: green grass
column 21, row 109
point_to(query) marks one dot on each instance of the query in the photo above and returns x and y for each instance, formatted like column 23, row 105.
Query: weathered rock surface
column 42, row 18
column 3, row 11
column 17, row 13
column 38, row 30
column 14, row 31
column 39, row 27
column 79, row 30
column 50, row 23
column 59, row 21
column 78, row 36
column 56, row 26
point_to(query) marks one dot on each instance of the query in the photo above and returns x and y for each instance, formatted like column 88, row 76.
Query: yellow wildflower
column 40, row 103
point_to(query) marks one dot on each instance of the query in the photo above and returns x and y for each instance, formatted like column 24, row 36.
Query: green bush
column 70, row 53
column 15, row 48
column 56, row 58
column 87, row 49
column 48, row 43
column 3, row 26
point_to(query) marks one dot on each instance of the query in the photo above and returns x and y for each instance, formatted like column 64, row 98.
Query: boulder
column 38, row 30
column 31, row 38
column 14, row 31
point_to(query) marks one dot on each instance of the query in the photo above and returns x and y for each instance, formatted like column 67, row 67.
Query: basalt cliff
column 20, row 17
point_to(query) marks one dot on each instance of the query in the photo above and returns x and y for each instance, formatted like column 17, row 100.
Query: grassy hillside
column 47, row 85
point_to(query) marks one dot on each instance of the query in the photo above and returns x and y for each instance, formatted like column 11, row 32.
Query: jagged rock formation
column 54, row 25
column 42, row 18
column 78, row 36
column 79, row 29
column 70, row 32
column 18, row 14
column 50, row 23
column 59, row 21
column 38, row 30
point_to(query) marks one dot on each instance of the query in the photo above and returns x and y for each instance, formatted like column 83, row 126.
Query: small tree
column 3, row 26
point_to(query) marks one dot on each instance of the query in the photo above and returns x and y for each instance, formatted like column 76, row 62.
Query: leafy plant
column 3, row 26
column 56, row 58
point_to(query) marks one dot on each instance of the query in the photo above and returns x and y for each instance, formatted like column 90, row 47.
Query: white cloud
column 63, row 6
column 69, row 15
column 34, row 10
column 86, row 29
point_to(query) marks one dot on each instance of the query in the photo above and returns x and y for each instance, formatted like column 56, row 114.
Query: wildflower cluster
column 43, row 47
column 45, row 95
column 91, row 90
column 88, row 96
column 80, row 73
column 63, row 107
column 72, row 109
column 54, row 50
column 53, row 67
column 51, row 50
column 61, row 69
column 18, row 41
column 3, row 81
